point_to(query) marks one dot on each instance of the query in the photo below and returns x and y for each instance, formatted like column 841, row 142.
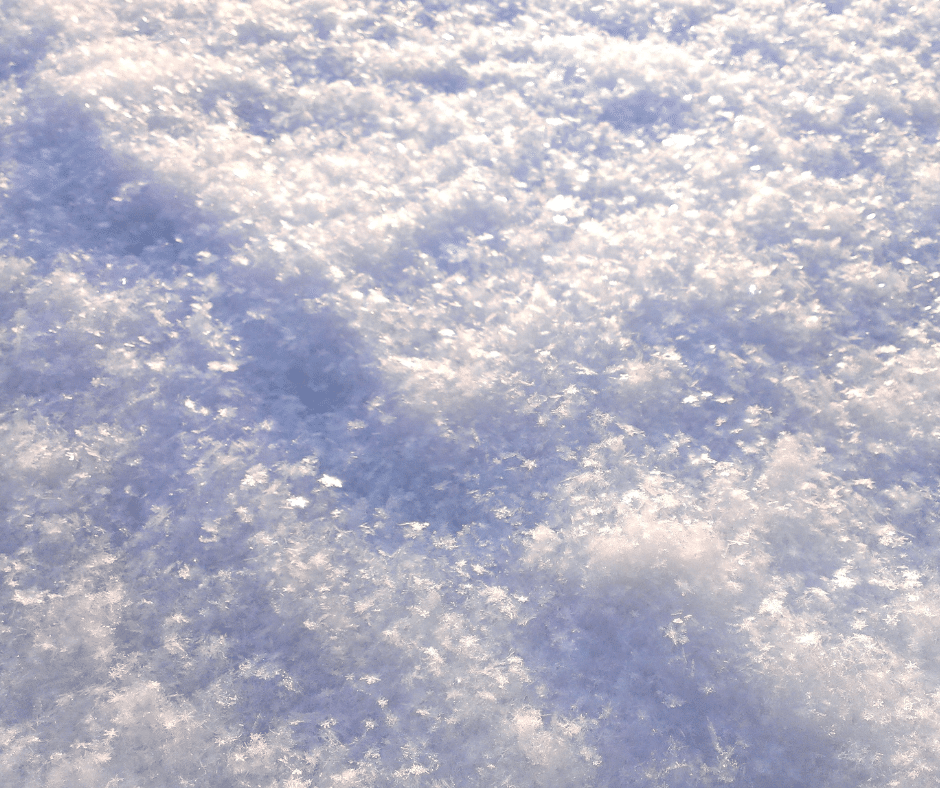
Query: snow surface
column 501, row 394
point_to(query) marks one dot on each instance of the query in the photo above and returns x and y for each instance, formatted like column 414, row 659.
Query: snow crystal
column 469, row 395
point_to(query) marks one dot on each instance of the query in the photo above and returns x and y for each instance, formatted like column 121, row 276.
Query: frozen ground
column 455, row 395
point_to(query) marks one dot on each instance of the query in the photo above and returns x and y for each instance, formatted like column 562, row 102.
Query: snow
column 503, row 394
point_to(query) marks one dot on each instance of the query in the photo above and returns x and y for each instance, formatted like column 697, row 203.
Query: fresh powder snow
column 524, row 393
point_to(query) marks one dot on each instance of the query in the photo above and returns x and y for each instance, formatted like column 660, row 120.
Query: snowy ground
column 431, row 394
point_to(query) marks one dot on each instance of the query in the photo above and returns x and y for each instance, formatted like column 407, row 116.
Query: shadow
column 676, row 23
column 616, row 662
column 446, row 78
column 70, row 191
column 321, row 370
column 26, row 37
column 644, row 109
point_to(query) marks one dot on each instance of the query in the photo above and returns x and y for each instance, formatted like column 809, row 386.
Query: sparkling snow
column 520, row 393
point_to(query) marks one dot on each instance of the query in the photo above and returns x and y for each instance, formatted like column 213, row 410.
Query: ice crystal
column 565, row 370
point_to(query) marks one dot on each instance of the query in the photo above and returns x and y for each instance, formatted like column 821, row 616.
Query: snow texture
column 532, row 393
